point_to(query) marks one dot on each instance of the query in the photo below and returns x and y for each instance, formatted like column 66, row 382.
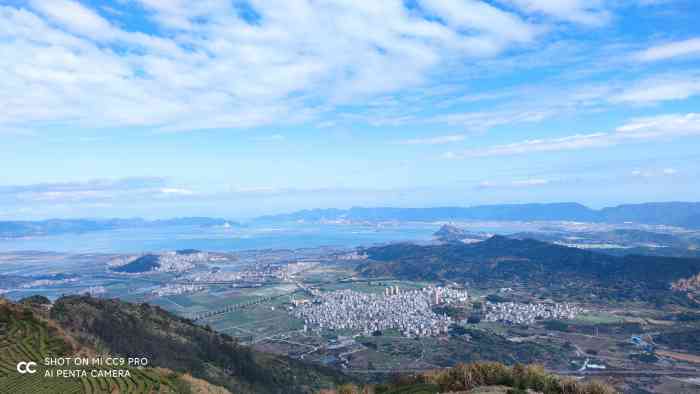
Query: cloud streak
column 585, row 12
column 660, row 88
column 440, row 140
column 639, row 130
column 93, row 190
column 669, row 50
column 514, row 184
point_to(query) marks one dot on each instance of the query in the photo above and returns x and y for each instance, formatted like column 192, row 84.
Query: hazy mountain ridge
column 684, row 214
column 619, row 242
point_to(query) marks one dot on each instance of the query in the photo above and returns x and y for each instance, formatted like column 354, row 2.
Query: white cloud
column 480, row 121
column 638, row 129
column 75, row 17
column 476, row 15
column 669, row 171
column 90, row 190
column 176, row 191
column 669, row 125
column 585, row 12
column 514, row 184
column 531, row 182
column 270, row 138
column 65, row 64
column 578, row 141
column 654, row 173
column 662, row 88
column 444, row 139
column 130, row 183
column 670, row 50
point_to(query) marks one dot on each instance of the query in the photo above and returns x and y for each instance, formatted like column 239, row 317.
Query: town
column 527, row 314
column 410, row 312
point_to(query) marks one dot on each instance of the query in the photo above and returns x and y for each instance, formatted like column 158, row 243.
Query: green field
column 597, row 318
column 259, row 321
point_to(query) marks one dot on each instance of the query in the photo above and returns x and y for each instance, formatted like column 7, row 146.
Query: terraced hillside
column 25, row 336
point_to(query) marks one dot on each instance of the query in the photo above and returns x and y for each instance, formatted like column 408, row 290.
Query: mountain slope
column 178, row 344
column 27, row 335
column 533, row 262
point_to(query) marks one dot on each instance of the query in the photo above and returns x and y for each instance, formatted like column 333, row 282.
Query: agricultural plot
column 260, row 321
column 597, row 318
column 325, row 273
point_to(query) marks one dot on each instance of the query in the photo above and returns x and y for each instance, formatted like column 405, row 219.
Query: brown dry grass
column 691, row 358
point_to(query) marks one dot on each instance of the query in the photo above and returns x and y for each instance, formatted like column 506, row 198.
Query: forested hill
column 177, row 344
column 684, row 214
column 529, row 261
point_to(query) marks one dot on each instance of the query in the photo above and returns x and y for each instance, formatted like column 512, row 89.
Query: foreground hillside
column 568, row 271
column 171, row 342
column 182, row 357
column 26, row 335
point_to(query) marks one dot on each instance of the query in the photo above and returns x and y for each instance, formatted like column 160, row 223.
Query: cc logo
column 26, row 367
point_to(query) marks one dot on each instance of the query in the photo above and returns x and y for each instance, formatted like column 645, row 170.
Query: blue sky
column 161, row 108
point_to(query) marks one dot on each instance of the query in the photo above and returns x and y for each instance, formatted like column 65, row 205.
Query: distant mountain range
column 14, row 229
column 567, row 272
column 683, row 214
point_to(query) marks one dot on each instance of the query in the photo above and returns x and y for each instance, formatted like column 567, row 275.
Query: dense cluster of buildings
column 180, row 262
column 253, row 274
column 256, row 273
column 48, row 282
column 352, row 256
column 527, row 314
column 177, row 289
column 95, row 290
column 216, row 276
column 410, row 312
column 176, row 262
